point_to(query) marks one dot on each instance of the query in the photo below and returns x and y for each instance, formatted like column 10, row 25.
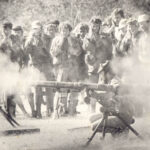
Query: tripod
column 9, row 118
column 103, row 122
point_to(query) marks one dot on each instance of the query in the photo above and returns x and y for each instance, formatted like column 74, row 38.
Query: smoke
column 13, row 81
column 134, row 71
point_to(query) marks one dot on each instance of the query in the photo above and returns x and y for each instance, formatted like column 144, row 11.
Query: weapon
column 9, row 118
column 75, row 85
column 102, row 125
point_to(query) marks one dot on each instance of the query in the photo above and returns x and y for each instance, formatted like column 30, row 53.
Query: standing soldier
column 119, row 51
column 131, row 38
column 40, row 59
column 144, row 53
column 74, row 55
column 59, row 52
column 80, row 32
column 6, row 49
column 98, row 53
column 19, row 57
column 50, row 30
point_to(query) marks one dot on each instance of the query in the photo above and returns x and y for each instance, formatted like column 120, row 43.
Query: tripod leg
column 131, row 128
column 94, row 132
column 104, row 126
column 6, row 117
column 13, row 120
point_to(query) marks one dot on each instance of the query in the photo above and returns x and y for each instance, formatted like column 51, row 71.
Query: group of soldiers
column 82, row 54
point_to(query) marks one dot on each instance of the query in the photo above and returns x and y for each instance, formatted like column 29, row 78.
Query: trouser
column 113, row 122
column 72, row 102
column 49, row 101
column 93, row 78
column 35, row 101
column 11, row 105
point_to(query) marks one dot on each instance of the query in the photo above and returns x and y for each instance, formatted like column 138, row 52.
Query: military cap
column 18, row 28
column 122, row 23
column 96, row 19
column 7, row 25
column 143, row 18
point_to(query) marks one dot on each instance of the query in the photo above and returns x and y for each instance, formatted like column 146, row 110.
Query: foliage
column 23, row 12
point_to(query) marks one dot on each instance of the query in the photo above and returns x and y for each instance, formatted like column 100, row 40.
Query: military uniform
column 98, row 51
column 7, row 51
column 117, row 103
column 49, row 33
column 40, row 60
column 59, row 52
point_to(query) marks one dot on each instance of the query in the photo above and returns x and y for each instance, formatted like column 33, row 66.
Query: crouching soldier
column 113, row 104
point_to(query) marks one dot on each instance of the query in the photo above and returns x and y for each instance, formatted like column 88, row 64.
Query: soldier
column 116, row 16
column 131, row 38
column 74, row 54
column 59, row 52
column 119, row 51
column 6, row 49
column 113, row 103
column 40, row 59
column 5, row 46
column 144, row 54
column 80, row 32
column 49, row 33
column 50, row 29
column 19, row 57
column 98, row 53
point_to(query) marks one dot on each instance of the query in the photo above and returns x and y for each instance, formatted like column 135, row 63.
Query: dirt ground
column 56, row 135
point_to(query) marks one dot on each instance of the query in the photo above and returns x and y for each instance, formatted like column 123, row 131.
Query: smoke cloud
column 13, row 81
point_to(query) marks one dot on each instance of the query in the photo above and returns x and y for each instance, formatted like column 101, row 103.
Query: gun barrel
column 74, row 85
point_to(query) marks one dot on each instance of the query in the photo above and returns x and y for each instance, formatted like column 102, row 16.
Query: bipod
column 103, row 123
column 9, row 118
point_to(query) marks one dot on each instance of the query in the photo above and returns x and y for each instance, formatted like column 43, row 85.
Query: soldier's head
column 18, row 30
column 132, row 25
column 50, row 29
column 144, row 22
column 81, row 29
column 36, row 29
column 117, row 15
column 95, row 24
column 65, row 29
column 7, row 29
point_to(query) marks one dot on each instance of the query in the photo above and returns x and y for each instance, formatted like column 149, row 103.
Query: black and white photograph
column 74, row 74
